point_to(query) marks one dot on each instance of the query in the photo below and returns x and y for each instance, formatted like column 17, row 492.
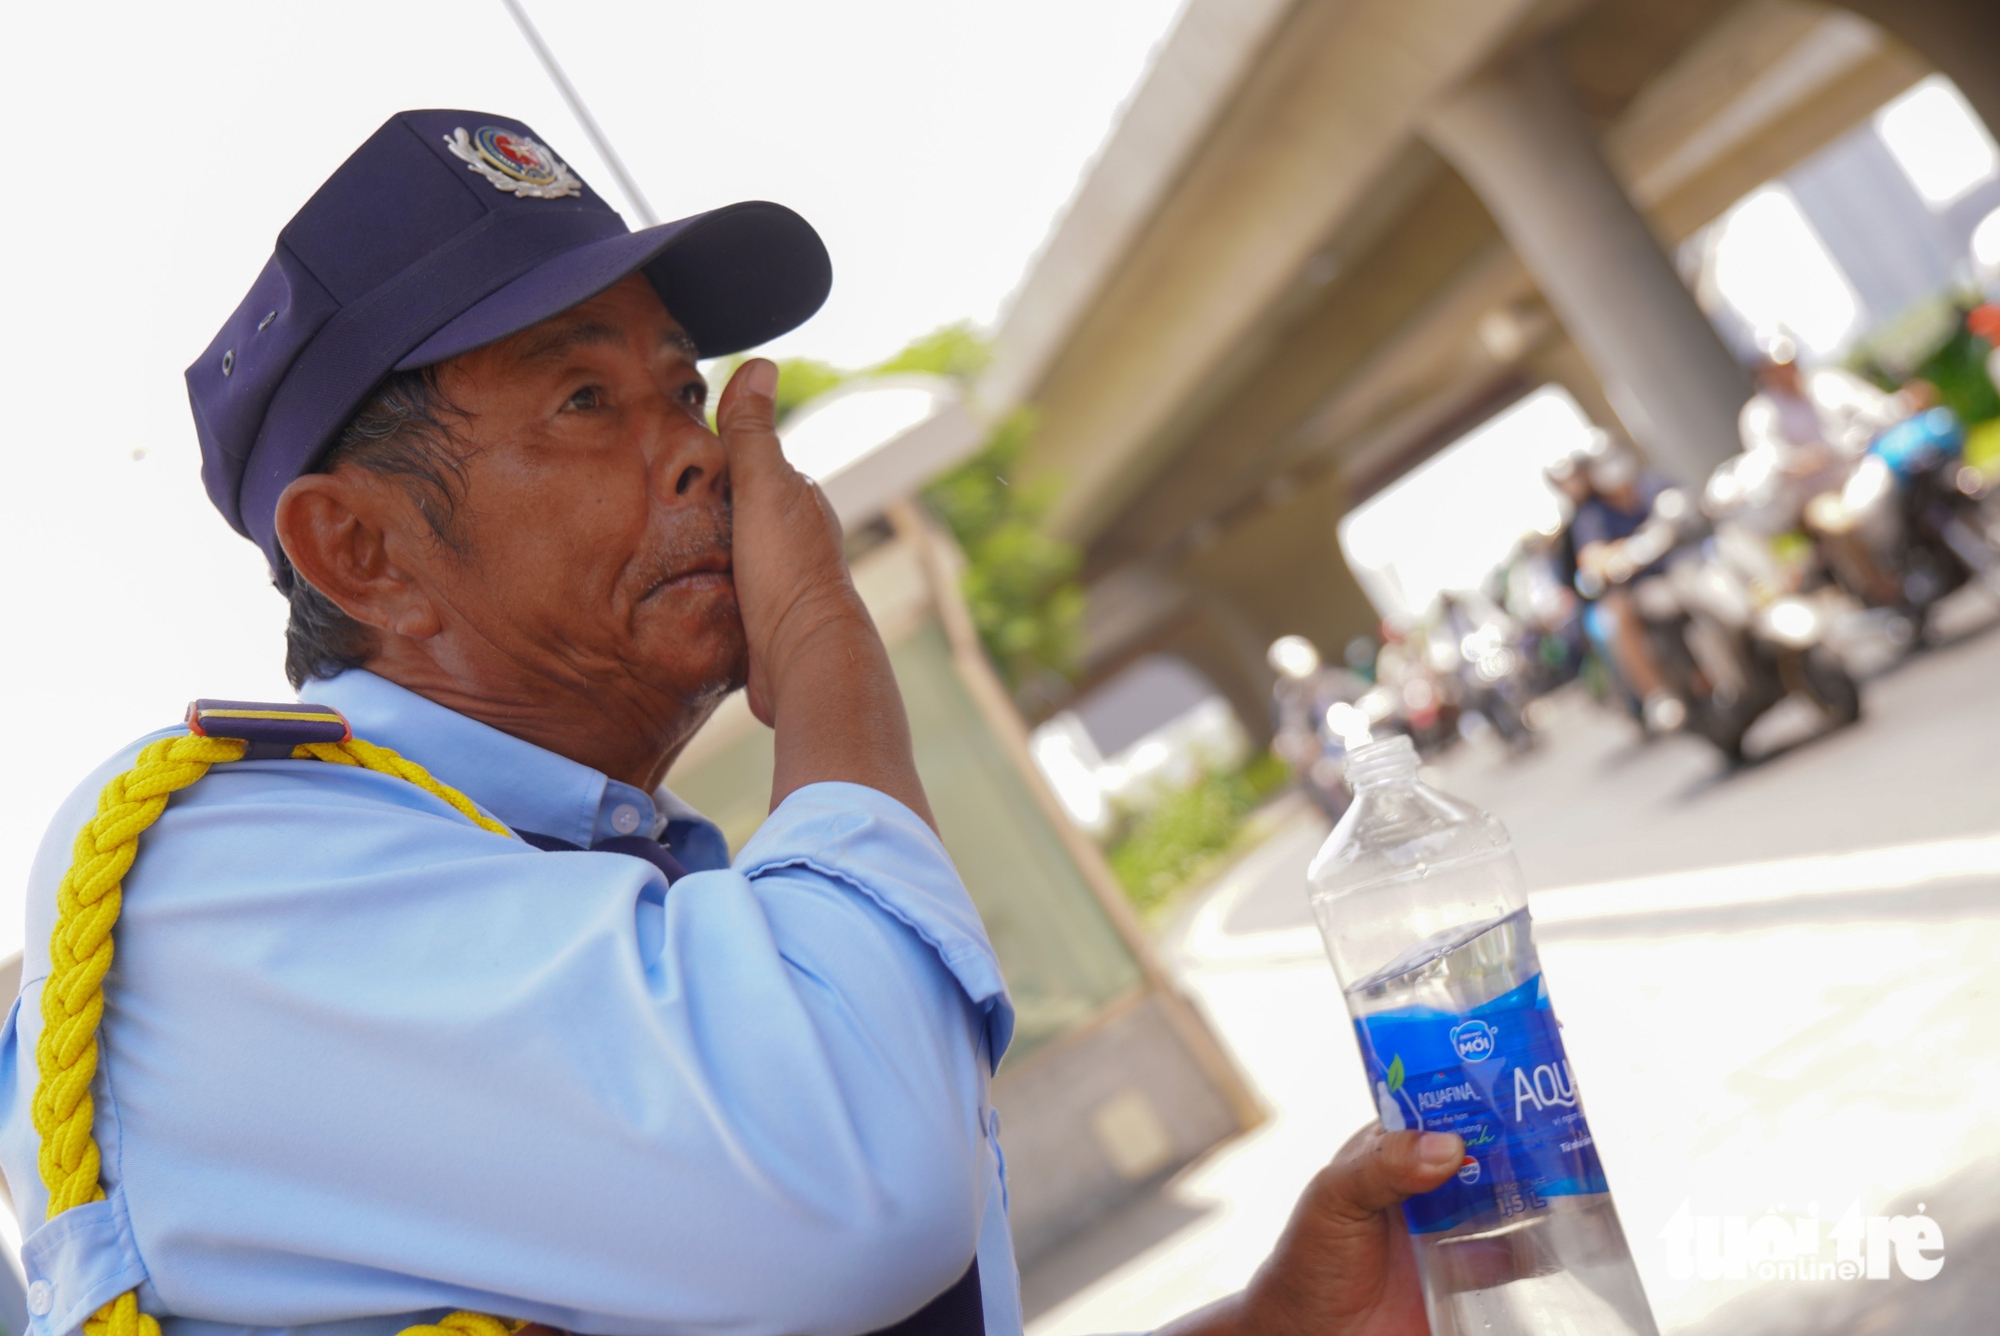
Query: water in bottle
column 1421, row 905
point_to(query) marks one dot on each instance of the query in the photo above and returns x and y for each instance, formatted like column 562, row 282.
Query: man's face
column 595, row 520
column 1616, row 479
column 1780, row 378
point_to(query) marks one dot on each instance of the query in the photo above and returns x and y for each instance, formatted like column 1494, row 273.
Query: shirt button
column 41, row 1298
column 625, row 819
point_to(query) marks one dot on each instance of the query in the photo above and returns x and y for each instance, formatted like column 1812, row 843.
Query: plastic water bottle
column 1419, row 899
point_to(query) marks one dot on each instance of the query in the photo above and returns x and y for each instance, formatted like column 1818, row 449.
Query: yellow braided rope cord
column 87, row 904
column 464, row 1324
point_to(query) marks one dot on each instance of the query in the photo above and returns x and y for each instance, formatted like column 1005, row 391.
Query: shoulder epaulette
column 271, row 729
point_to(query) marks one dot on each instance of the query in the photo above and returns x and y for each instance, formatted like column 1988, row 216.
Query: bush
column 1958, row 369
column 1184, row 837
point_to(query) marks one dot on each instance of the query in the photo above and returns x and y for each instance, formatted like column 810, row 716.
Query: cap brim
column 734, row 277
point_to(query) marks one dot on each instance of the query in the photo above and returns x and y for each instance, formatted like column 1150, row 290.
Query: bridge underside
column 1312, row 300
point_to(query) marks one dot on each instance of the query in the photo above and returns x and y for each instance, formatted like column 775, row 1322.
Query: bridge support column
column 1518, row 138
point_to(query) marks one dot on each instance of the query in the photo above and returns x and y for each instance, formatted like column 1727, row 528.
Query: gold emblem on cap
column 514, row 162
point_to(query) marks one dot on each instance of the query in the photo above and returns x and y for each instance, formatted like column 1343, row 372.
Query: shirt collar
column 525, row 786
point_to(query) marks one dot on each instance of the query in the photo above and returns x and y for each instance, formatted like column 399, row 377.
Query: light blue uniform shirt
column 365, row 1062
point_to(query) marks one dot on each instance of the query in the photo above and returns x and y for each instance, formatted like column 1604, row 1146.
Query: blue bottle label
column 1498, row 1077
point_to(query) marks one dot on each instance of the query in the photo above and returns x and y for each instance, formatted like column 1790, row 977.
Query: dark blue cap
column 445, row 231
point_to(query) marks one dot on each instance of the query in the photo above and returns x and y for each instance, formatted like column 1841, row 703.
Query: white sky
column 159, row 148
column 1447, row 524
column 839, row 429
column 1772, row 266
column 1938, row 140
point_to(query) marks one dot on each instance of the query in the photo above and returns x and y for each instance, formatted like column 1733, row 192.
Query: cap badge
column 514, row 163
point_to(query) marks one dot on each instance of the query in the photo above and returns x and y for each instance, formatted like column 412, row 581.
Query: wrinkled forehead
column 627, row 315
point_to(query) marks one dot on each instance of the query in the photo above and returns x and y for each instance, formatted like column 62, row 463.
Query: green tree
column 1019, row 581
column 956, row 352
column 802, row 380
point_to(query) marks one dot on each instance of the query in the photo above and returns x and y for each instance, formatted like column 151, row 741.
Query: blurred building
column 1873, row 229
column 1329, row 237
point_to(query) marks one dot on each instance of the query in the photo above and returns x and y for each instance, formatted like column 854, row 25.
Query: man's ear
column 335, row 528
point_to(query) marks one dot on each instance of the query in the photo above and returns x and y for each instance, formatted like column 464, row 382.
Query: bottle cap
column 1393, row 757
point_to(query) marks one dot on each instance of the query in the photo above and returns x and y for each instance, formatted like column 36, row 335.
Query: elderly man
column 469, row 1013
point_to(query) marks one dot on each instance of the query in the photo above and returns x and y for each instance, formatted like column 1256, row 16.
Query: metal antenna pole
column 626, row 184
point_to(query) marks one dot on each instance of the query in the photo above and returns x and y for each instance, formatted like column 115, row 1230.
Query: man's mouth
column 710, row 573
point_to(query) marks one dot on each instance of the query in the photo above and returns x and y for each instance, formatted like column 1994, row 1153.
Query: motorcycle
column 1315, row 721
column 1909, row 526
column 1550, row 644
column 1728, row 638
column 1490, row 672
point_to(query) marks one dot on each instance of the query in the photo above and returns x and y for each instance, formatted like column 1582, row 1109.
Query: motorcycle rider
column 1801, row 434
column 1852, row 552
column 1909, row 526
column 1620, row 501
column 1813, row 420
column 1569, row 477
column 1782, row 420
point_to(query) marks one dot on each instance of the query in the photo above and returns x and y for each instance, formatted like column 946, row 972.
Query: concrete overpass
column 1328, row 236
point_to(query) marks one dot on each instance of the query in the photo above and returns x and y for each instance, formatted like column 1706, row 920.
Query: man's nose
column 689, row 462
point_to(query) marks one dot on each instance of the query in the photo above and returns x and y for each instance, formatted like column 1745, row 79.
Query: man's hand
column 818, row 672
column 791, row 576
column 1344, row 1266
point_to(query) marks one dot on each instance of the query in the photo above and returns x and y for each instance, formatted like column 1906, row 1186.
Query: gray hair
column 404, row 431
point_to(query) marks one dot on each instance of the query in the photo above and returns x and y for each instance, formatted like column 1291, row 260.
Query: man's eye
column 585, row 399
column 695, row 393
